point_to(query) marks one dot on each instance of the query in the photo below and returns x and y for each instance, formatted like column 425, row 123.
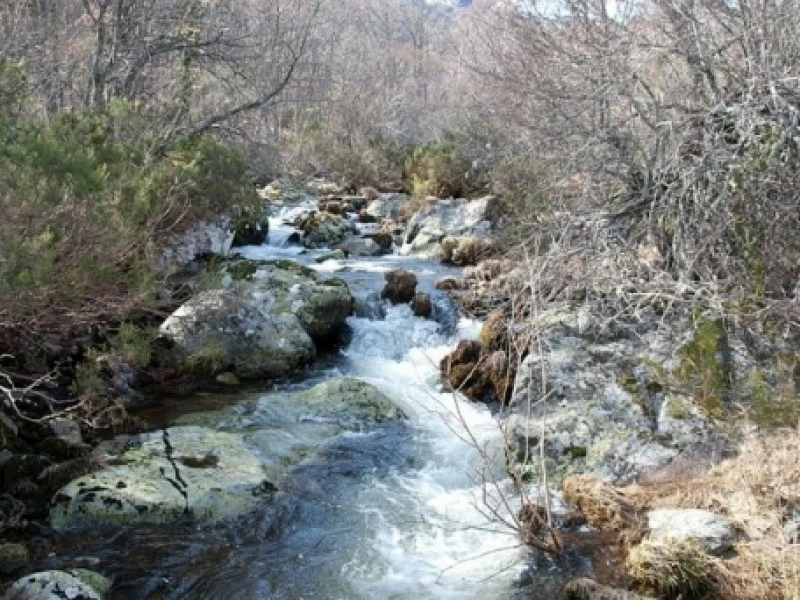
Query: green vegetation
column 775, row 405
column 86, row 208
column 701, row 368
column 438, row 169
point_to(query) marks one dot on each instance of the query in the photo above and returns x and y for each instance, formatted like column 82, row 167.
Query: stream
column 401, row 510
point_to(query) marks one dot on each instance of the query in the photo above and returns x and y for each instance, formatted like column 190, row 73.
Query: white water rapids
column 438, row 530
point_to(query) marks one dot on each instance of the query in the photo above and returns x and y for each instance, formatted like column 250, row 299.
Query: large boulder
column 251, row 226
column 715, row 533
column 442, row 218
column 216, row 465
column 400, row 287
column 165, row 476
column 321, row 230
column 212, row 237
column 361, row 246
column 74, row 584
column 602, row 398
column 220, row 330
column 388, row 206
column 264, row 325
column 350, row 398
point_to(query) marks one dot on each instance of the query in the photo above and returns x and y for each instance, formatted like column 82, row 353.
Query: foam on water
column 435, row 531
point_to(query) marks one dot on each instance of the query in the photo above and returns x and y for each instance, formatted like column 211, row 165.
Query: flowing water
column 406, row 510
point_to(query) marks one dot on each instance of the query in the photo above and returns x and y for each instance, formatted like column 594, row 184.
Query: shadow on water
column 295, row 548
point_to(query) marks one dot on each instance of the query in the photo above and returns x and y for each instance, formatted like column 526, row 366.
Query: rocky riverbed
column 374, row 442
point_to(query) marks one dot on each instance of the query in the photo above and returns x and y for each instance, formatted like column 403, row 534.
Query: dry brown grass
column 604, row 506
column 675, row 569
column 758, row 490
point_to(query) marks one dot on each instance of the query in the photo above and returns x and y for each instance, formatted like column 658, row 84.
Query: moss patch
column 701, row 369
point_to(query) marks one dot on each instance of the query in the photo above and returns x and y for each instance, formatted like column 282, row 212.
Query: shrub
column 85, row 209
column 517, row 182
column 438, row 169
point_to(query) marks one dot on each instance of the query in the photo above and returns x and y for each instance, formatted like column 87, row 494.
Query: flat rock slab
column 715, row 533
column 184, row 472
column 76, row 584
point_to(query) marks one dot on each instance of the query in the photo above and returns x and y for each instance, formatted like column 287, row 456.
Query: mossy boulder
column 324, row 229
column 216, row 465
column 180, row 473
column 264, row 326
column 220, row 330
column 351, row 397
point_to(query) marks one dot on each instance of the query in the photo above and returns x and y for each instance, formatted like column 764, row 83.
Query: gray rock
column 715, row 533
column 204, row 238
column 335, row 255
column 13, row 557
column 67, row 430
column 442, row 218
column 218, row 330
column 351, row 397
column 75, row 584
column 388, row 206
column 262, row 327
column 189, row 472
column 327, row 230
column 605, row 411
column 357, row 246
column 204, row 474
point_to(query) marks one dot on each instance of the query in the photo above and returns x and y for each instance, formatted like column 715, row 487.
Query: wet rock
column 263, row 327
column 180, row 473
column 357, row 246
column 74, row 584
column 251, row 227
column 365, row 217
column 337, row 254
column 13, row 557
column 449, row 284
column 477, row 372
column 351, row 397
column 383, row 239
column 442, row 218
column 421, row 305
column 583, row 588
column 325, row 230
column 355, row 203
column 294, row 239
column 715, row 533
column 400, row 286
column 333, row 207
